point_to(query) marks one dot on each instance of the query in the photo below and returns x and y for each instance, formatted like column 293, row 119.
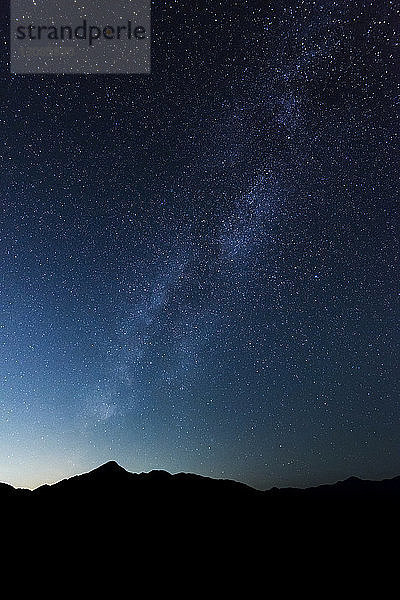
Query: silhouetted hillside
column 110, row 483
column 109, row 509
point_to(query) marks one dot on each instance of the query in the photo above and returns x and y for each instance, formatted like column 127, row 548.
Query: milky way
column 199, row 266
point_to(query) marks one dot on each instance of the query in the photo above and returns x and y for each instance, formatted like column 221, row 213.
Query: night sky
column 199, row 266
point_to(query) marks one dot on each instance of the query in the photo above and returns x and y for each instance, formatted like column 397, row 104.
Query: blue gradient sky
column 199, row 267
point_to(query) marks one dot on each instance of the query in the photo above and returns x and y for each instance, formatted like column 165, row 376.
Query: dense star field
column 199, row 266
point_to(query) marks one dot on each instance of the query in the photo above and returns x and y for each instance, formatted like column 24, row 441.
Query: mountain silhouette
column 157, row 514
column 112, row 483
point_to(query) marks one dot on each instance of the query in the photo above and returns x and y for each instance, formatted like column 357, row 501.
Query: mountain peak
column 110, row 467
column 352, row 480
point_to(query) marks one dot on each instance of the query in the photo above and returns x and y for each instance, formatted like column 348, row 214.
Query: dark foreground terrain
column 155, row 522
column 111, row 482
column 188, row 499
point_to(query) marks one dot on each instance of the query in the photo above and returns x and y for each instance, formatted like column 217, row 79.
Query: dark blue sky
column 199, row 266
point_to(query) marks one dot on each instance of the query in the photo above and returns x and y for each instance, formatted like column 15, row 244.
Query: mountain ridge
column 111, row 470
column 184, row 510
